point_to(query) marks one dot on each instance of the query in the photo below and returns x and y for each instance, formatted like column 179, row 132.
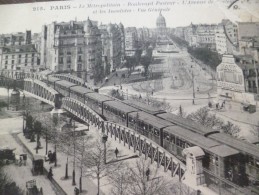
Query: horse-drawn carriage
column 7, row 155
column 32, row 189
column 37, row 165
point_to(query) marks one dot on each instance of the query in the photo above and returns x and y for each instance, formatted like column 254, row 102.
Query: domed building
column 161, row 26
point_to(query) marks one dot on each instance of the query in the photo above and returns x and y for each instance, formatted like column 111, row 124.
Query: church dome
column 160, row 21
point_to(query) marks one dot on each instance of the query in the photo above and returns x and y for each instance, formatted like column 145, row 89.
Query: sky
column 139, row 13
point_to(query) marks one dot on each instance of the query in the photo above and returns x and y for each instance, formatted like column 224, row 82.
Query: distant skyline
column 21, row 17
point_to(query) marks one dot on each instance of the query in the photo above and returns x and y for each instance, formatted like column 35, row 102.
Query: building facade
column 18, row 53
column 131, row 41
column 226, row 37
column 71, row 46
column 202, row 35
column 112, row 36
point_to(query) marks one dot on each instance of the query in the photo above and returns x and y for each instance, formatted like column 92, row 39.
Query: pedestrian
column 50, row 174
column 20, row 162
column 193, row 101
column 217, row 106
column 147, row 174
column 24, row 159
column 116, row 152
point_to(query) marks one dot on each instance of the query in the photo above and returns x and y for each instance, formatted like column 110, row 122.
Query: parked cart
column 7, row 155
column 37, row 165
column 32, row 188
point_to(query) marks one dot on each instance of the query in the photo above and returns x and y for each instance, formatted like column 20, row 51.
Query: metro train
column 227, row 159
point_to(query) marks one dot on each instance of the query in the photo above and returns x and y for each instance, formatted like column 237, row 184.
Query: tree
column 145, row 60
column 230, row 129
column 130, row 62
column 203, row 117
column 120, row 182
column 116, row 94
column 37, row 128
column 181, row 113
column 96, row 168
column 98, row 73
column 82, row 147
column 7, row 186
column 180, row 188
column 140, row 180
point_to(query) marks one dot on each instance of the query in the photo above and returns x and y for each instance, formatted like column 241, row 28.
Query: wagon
column 37, row 165
column 32, row 189
column 7, row 155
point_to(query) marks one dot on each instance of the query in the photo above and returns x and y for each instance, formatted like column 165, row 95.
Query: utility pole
column 256, row 77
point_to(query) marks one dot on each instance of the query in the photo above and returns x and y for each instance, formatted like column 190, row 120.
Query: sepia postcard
column 129, row 97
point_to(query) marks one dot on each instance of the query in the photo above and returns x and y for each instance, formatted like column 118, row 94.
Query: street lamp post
column 74, row 163
column 104, row 139
column 193, row 90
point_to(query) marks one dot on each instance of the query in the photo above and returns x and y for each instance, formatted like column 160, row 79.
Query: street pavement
column 21, row 174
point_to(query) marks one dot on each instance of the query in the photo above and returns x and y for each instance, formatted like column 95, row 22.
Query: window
column 68, row 59
column 79, row 58
column 25, row 60
column 79, row 50
column 61, row 60
column 20, row 55
column 12, row 61
column 26, row 55
column 32, row 55
column 79, row 67
column 19, row 61
column 18, row 68
column 6, row 62
column 12, row 56
column 25, row 64
column 5, row 67
column 6, row 57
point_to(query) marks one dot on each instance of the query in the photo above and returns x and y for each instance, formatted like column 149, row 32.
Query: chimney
column 28, row 37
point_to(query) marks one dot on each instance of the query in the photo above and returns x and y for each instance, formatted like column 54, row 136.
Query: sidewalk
column 59, row 171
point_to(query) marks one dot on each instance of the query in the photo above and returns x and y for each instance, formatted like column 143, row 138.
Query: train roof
column 65, row 83
column 144, row 107
column 98, row 97
column 120, row 106
column 53, row 79
column 80, row 89
column 199, row 140
column 240, row 145
column 150, row 119
column 186, row 123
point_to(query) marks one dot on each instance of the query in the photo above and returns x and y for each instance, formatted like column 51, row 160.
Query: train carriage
column 95, row 101
column 117, row 111
column 51, row 81
column 78, row 92
column 144, row 107
column 148, row 125
column 249, row 154
column 63, row 87
column 186, row 123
